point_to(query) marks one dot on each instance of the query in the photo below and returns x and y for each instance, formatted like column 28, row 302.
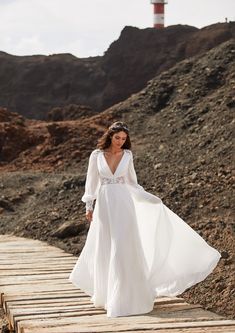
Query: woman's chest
column 112, row 168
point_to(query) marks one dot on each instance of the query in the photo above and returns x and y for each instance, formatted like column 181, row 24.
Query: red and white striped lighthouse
column 158, row 16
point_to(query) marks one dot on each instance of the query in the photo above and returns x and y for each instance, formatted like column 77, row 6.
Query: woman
column 136, row 249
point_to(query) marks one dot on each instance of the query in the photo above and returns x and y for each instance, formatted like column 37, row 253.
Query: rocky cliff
column 33, row 85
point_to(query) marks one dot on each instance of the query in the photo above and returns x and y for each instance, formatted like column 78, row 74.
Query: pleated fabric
column 136, row 249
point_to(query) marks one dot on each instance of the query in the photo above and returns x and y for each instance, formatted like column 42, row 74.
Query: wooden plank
column 156, row 316
column 14, row 312
column 56, row 312
column 11, row 258
column 48, row 302
column 26, row 242
column 52, row 304
column 80, row 299
column 77, row 298
column 74, row 318
column 36, row 261
column 39, row 294
column 40, row 285
column 14, row 240
column 30, row 246
column 44, row 295
column 32, row 266
column 26, row 256
column 67, row 297
column 16, row 279
column 35, row 268
column 39, row 255
column 26, row 289
column 33, row 284
column 66, row 329
column 98, row 323
column 70, row 311
column 34, row 281
column 35, row 318
column 33, row 272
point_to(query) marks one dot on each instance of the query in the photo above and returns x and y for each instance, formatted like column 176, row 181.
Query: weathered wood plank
column 34, row 266
column 90, row 324
column 47, row 303
column 42, row 293
column 28, row 307
column 66, row 329
column 29, row 261
column 28, row 278
column 155, row 316
column 70, row 297
column 27, row 289
column 43, row 296
column 47, row 258
column 35, row 271
column 78, row 298
column 33, row 285
column 30, row 288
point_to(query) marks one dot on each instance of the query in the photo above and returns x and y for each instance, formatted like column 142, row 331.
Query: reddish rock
column 69, row 112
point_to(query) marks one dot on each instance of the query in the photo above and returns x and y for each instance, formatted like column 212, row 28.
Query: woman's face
column 118, row 139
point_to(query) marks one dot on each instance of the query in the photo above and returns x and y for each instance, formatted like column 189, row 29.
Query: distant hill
column 33, row 85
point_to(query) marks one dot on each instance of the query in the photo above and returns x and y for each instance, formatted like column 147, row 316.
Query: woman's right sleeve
column 92, row 181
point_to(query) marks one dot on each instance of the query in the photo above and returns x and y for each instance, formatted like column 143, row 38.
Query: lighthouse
column 158, row 16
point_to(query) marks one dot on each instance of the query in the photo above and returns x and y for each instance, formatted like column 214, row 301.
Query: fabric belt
column 116, row 180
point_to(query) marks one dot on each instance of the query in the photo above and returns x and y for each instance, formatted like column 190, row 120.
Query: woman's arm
column 92, row 182
column 131, row 175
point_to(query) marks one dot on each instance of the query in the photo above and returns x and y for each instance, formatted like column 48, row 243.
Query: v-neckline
column 113, row 174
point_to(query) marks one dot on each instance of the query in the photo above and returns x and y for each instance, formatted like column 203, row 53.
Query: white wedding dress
column 136, row 248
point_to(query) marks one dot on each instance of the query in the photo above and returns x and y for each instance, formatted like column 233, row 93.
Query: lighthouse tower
column 158, row 16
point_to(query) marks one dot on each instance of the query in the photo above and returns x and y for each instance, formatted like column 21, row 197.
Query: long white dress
column 136, row 248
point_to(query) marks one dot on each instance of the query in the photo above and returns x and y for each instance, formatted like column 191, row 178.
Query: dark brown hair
column 105, row 141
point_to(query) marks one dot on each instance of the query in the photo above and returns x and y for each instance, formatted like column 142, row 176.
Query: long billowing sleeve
column 92, row 181
column 131, row 175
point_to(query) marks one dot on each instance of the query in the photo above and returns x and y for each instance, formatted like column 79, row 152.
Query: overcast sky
column 86, row 28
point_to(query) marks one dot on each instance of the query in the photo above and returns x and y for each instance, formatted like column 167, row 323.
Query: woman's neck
column 114, row 150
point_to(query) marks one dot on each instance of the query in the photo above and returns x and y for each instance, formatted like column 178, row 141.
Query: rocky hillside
column 33, row 85
column 181, row 129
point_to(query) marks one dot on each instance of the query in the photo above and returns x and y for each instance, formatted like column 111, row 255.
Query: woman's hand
column 89, row 214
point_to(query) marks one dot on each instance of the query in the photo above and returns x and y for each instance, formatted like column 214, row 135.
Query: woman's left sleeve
column 131, row 174
column 92, row 181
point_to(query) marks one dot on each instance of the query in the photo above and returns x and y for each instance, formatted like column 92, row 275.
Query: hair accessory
column 119, row 126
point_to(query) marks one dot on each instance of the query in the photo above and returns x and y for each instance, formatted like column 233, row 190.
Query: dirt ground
column 3, row 322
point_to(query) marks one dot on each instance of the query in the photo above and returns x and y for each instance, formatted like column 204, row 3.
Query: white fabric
column 136, row 248
column 89, row 205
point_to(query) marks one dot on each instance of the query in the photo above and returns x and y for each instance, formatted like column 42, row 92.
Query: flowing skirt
column 136, row 250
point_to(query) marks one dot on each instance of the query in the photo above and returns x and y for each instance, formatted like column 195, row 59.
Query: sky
column 86, row 28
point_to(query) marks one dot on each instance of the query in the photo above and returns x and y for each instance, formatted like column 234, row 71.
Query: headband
column 114, row 127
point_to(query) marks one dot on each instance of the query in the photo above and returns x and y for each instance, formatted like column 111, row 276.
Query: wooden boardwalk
column 38, row 298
